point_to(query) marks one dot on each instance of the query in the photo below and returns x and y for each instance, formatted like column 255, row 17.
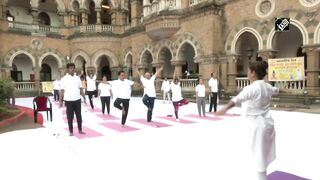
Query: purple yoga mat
column 183, row 121
column 118, row 127
column 205, row 118
column 279, row 175
column 152, row 124
column 107, row 117
column 89, row 133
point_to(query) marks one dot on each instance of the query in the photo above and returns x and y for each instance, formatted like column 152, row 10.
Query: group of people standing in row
column 257, row 95
column 66, row 90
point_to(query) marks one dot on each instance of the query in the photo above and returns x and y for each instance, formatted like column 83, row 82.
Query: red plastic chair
column 41, row 103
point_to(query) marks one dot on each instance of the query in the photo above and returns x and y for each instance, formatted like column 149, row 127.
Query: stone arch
column 163, row 44
column 112, row 3
column 316, row 38
column 299, row 25
column 143, row 53
column 81, row 53
column 60, row 5
column 114, row 62
column 178, row 56
column 126, row 57
column 125, row 54
column 243, row 30
column 71, row 4
column 55, row 53
column 187, row 37
column 14, row 52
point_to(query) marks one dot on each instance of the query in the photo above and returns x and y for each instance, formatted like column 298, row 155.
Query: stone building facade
column 38, row 37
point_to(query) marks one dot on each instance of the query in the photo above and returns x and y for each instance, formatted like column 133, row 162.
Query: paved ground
column 194, row 148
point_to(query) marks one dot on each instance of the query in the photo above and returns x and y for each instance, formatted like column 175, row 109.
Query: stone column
column 178, row 67
column 224, row 72
column 37, row 77
column 98, row 11
column 313, row 70
column 232, row 73
column 63, row 23
column 146, row 7
column 84, row 17
column 267, row 54
column 136, row 9
column 207, row 65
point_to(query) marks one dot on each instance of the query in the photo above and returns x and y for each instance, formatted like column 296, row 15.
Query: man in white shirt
column 56, row 89
column 71, row 89
column 149, row 94
column 213, row 84
column 91, row 87
column 122, row 90
column 165, row 88
column 201, row 97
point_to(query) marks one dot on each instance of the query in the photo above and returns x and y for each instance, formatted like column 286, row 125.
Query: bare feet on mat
column 70, row 134
column 81, row 132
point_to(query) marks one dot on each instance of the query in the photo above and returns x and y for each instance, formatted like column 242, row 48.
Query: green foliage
column 6, row 90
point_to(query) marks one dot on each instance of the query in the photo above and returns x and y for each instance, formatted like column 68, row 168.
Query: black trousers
column 91, row 94
column 56, row 95
column 213, row 101
column 125, row 105
column 71, row 108
column 149, row 102
column 105, row 100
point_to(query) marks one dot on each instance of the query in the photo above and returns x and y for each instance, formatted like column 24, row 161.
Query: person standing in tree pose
column 177, row 99
column 71, row 89
column 149, row 91
column 258, row 96
column 122, row 90
column 105, row 94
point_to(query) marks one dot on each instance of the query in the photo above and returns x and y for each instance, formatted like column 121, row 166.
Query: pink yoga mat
column 107, row 117
column 183, row 121
column 205, row 118
column 118, row 127
column 94, row 110
column 152, row 124
column 89, row 132
column 228, row 115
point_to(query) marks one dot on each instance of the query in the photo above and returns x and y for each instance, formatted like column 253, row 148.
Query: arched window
column 44, row 19
column 106, row 12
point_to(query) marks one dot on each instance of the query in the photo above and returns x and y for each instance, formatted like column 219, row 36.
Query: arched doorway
column 187, row 54
column 49, row 68
column 106, row 12
column 289, row 44
column 92, row 15
column 22, row 69
column 44, row 19
column 165, row 56
column 103, row 67
column 246, row 47
column 79, row 63
column 45, row 73
column 147, row 62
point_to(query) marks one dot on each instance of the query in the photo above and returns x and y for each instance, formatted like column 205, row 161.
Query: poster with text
column 47, row 87
column 286, row 69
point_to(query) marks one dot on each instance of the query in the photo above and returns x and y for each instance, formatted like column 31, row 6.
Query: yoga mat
column 279, row 175
column 205, row 118
column 89, row 132
column 107, row 117
column 228, row 115
column 152, row 124
column 118, row 127
column 183, row 121
column 94, row 110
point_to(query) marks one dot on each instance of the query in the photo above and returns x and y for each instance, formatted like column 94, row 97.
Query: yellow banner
column 47, row 87
column 286, row 69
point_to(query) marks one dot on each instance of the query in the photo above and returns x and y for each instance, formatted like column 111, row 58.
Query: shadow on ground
column 25, row 123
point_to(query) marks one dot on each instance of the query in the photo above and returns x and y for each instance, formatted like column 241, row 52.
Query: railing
column 195, row 2
column 94, row 28
column 186, row 84
column 25, row 86
column 296, row 87
column 32, row 28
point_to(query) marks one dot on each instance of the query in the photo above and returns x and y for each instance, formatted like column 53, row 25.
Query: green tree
column 6, row 90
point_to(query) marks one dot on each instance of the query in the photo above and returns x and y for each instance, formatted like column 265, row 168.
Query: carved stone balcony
column 162, row 27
